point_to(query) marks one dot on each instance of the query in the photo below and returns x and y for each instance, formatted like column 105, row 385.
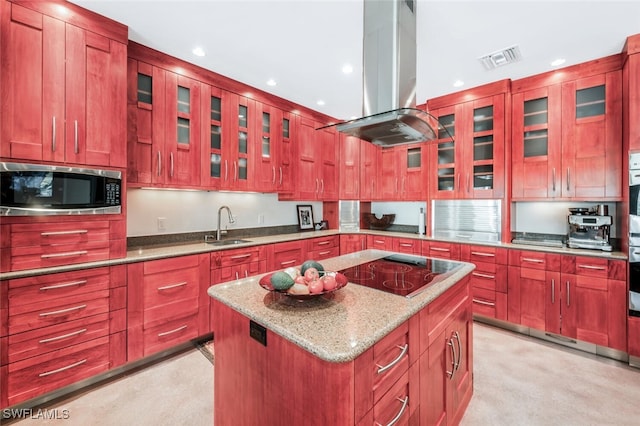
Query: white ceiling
column 303, row 44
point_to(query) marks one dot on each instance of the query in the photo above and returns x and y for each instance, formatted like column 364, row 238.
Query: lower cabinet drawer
column 41, row 374
column 170, row 333
column 324, row 253
column 399, row 405
column 45, row 313
column 489, row 303
column 43, row 340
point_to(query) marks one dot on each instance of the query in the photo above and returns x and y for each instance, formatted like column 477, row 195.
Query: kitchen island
column 357, row 356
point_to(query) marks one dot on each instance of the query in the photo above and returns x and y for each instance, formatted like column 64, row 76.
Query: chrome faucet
column 231, row 220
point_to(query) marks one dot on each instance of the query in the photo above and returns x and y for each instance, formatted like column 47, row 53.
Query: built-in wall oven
column 40, row 189
column 634, row 234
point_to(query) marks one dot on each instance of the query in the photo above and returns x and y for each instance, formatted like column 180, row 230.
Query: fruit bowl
column 379, row 223
column 341, row 281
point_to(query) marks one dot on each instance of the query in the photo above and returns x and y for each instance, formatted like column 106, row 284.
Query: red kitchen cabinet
column 60, row 329
column 229, row 265
column 404, row 172
column 65, row 101
column 407, row 245
column 470, row 150
column 48, row 241
column 267, row 152
column 240, row 113
column 631, row 83
column 164, row 126
column 284, row 255
column 286, row 159
column 441, row 249
column 379, row 242
column 567, row 133
column 323, row 247
column 369, row 171
column 350, row 164
column 168, row 305
column 350, row 243
column 212, row 167
column 317, row 167
column 534, row 277
column 489, row 279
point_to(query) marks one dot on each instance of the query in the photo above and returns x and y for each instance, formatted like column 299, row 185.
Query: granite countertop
column 155, row 252
column 335, row 328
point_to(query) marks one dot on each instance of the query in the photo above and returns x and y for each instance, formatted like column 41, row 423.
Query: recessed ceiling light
column 347, row 69
column 271, row 82
column 198, row 51
column 558, row 62
column 458, row 83
column 320, row 102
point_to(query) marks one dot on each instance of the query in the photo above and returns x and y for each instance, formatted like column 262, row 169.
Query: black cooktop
column 404, row 275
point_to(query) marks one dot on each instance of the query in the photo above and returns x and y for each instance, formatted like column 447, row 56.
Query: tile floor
column 519, row 380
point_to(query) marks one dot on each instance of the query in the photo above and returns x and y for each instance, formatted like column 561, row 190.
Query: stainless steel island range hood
column 389, row 78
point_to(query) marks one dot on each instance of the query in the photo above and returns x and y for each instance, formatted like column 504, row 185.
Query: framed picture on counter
column 305, row 217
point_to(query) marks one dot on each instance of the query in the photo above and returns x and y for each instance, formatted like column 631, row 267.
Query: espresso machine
column 589, row 228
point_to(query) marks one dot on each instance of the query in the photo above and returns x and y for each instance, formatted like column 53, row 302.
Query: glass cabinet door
column 446, row 153
column 483, row 148
column 215, row 136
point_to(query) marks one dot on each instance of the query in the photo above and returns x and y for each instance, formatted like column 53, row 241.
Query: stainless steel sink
column 214, row 242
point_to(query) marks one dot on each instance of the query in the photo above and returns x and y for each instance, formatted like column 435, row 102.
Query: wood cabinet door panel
column 35, row 376
column 42, row 340
column 45, row 288
column 170, row 287
column 170, row 333
column 49, row 312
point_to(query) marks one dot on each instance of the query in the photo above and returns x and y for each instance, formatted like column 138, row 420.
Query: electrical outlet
column 260, row 218
column 162, row 223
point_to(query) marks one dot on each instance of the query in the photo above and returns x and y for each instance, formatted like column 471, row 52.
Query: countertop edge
column 413, row 306
column 164, row 252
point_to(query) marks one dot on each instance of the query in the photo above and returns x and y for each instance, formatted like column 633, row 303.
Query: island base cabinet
column 446, row 365
column 274, row 384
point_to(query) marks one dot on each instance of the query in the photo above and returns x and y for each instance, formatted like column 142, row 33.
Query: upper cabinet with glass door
column 566, row 134
column 267, row 172
column 469, row 153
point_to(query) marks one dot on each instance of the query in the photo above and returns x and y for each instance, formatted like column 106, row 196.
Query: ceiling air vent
column 501, row 57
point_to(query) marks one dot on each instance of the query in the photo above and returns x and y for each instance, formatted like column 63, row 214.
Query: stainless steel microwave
column 39, row 189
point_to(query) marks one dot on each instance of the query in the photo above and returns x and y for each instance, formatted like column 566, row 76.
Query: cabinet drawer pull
column 530, row 260
column 287, row 262
column 159, row 163
column 63, row 311
column 53, row 233
column 322, row 253
column 67, row 254
column 378, row 241
column 553, row 291
column 482, row 302
column 56, row 286
column 240, row 256
column 453, row 359
column 458, row 361
column 568, row 294
column 553, row 182
column 171, row 164
column 406, row 245
column 440, row 249
column 53, row 136
column 64, row 336
column 273, row 175
column 568, row 178
column 75, row 136
column 170, row 286
column 403, row 351
column 463, row 236
column 479, row 253
column 280, row 176
column 487, row 276
column 393, row 421
column 323, row 243
column 60, row 370
column 175, row 330
column 595, row 268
